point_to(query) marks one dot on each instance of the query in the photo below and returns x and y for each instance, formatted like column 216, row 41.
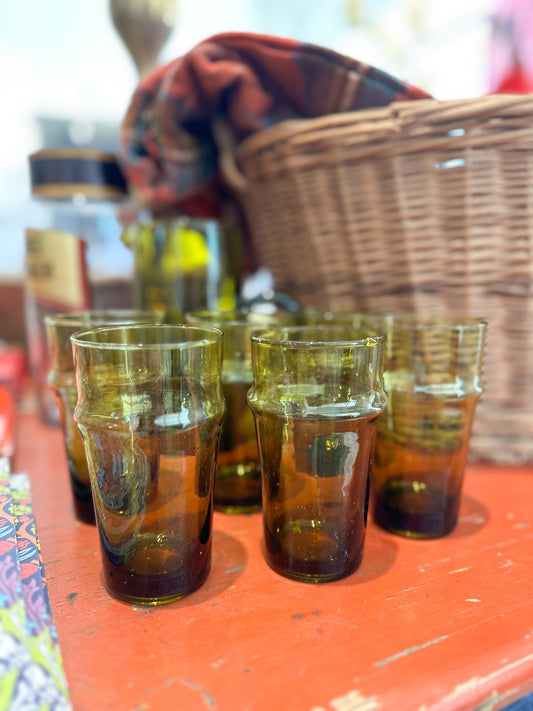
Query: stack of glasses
column 334, row 403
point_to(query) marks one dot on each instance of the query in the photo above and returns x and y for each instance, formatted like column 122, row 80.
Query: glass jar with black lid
column 75, row 259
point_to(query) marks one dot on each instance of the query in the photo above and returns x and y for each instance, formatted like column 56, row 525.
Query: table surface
column 442, row 624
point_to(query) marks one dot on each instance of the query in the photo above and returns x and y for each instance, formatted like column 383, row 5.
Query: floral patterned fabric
column 31, row 667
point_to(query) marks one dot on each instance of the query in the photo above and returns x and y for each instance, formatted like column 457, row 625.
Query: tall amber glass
column 433, row 379
column 238, row 479
column 150, row 408
column 317, row 397
column 62, row 378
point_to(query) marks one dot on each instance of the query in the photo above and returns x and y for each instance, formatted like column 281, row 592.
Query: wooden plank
column 444, row 624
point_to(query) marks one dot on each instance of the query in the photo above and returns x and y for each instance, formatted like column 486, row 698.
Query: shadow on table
column 379, row 555
column 473, row 515
column 228, row 560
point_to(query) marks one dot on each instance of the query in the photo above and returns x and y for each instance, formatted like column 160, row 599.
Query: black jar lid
column 62, row 172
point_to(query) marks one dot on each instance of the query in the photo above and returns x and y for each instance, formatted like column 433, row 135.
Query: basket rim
column 402, row 127
column 395, row 118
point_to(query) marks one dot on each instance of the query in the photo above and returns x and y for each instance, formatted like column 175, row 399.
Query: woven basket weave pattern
column 421, row 206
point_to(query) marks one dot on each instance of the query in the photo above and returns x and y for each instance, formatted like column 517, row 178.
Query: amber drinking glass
column 433, row 379
column 62, row 378
column 150, row 408
column 238, row 478
column 317, row 396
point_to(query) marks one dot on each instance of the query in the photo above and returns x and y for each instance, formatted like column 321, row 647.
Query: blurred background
column 68, row 76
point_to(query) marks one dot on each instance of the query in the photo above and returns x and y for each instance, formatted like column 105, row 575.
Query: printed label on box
column 56, row 270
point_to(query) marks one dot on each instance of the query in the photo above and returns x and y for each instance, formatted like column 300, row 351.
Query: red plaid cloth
column 168, row 152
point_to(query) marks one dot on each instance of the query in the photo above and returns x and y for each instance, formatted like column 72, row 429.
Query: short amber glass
column 150, row 407
column 317, row 396
column 433, row 379
column 238, row 478
column 62, row 379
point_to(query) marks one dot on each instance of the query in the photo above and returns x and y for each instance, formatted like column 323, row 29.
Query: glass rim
column 284, row 336
column 239, row 317
column 93, row 318
column 449, row 321
column 209, row 335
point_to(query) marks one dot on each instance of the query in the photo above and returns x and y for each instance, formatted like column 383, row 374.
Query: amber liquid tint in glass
column 317, row 398
column 76, row 461
column 150, row 412
column 433, row 382
column 418, row 484
column 316, row 478
column 238, row 478
column 155, row 533
column 62, row 379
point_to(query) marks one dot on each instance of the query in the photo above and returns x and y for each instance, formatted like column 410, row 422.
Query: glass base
column 413, row 509
column 161, row 568
column 312, row 552
column 238, row 489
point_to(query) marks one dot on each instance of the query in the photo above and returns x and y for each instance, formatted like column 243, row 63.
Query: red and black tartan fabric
column 168, row 151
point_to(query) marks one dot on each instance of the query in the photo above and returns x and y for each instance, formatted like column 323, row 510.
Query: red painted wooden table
column 443, row 624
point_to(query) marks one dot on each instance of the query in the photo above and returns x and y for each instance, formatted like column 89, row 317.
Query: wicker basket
column 421, row 206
